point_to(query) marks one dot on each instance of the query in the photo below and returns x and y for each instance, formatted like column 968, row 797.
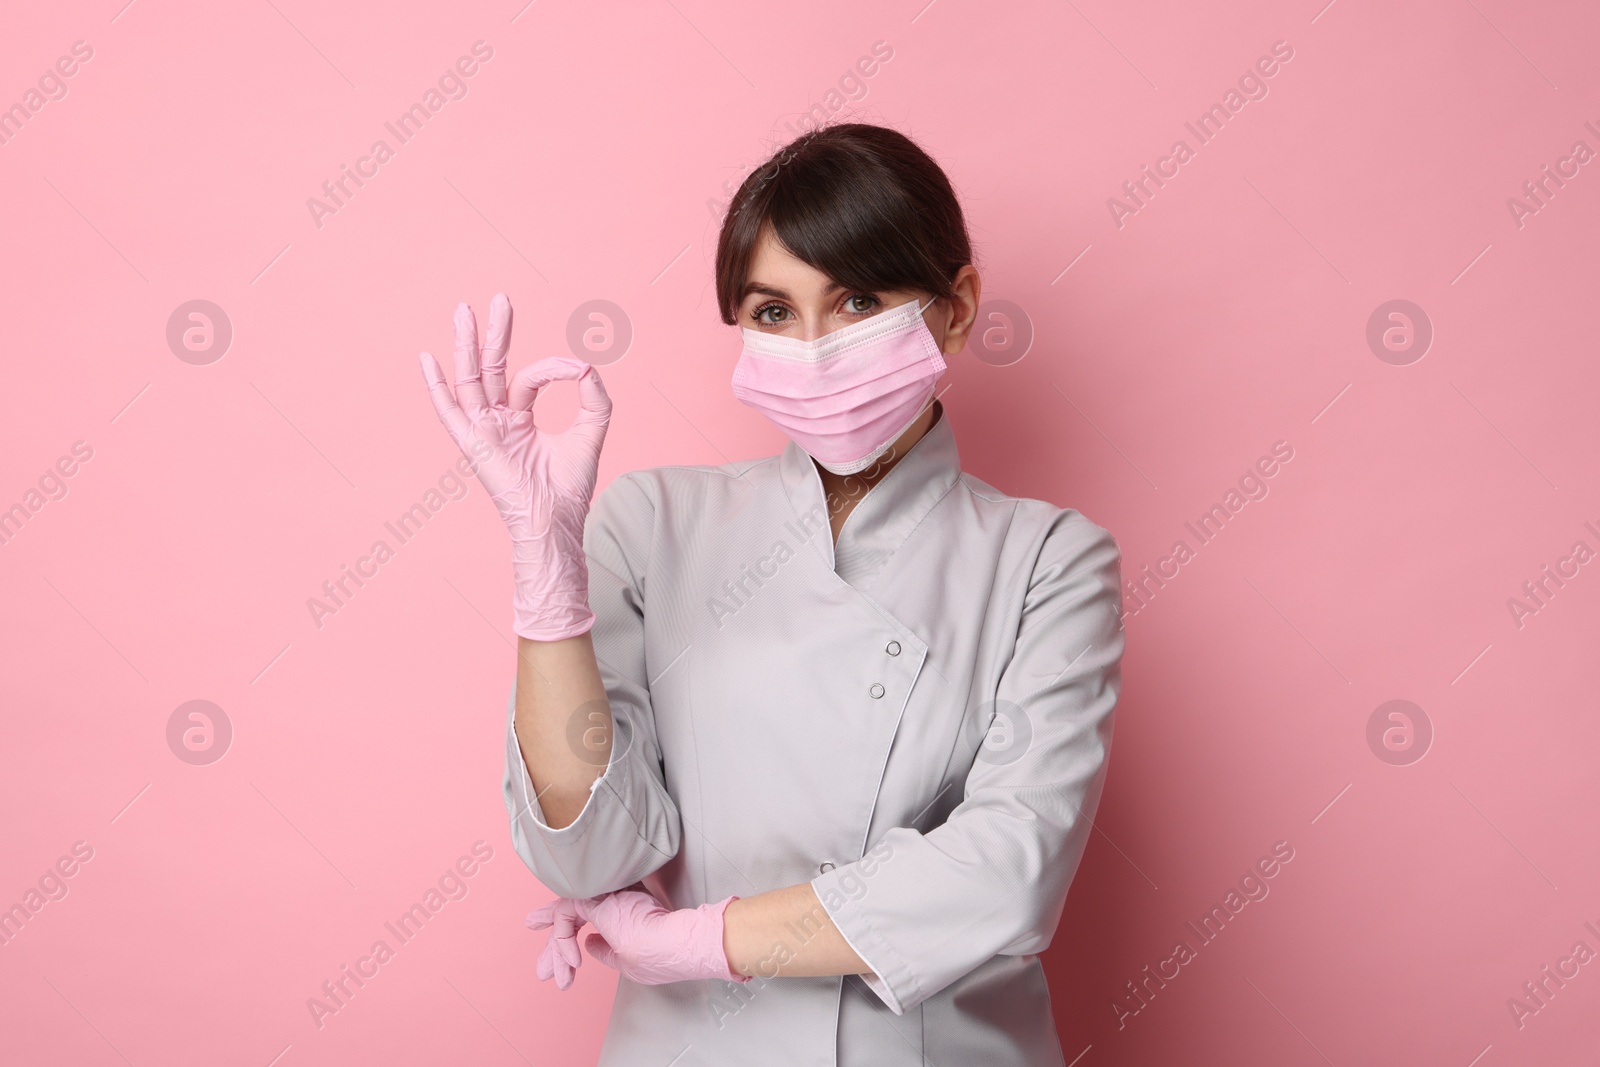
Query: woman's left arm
column 788, row 933
column 921, row 910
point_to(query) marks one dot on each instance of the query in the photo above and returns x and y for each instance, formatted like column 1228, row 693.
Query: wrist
column 717, row 942
column 550, row 627
column 551, row 618
column 550, row 594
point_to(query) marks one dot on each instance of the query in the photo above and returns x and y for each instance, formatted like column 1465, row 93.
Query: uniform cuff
column 891, row 979
column 528, row 802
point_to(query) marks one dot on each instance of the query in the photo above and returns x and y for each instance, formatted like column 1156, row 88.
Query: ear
column 968, row 292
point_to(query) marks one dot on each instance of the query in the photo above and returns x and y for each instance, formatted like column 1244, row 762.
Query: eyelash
column 758, row 312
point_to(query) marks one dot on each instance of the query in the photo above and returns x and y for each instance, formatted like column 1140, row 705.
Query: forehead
column 775, row 271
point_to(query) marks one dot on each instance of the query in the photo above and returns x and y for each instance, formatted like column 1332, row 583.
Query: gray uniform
column 916, row 721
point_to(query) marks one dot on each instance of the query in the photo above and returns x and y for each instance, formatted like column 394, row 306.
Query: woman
column 812, row 742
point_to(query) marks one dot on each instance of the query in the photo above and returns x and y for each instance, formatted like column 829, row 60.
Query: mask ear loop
column 933, row 398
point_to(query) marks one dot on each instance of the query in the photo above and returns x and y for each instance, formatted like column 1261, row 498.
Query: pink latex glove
column 636, row 936
column 540, row 482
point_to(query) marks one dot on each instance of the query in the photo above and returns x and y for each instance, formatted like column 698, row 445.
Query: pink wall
column 1172, row 347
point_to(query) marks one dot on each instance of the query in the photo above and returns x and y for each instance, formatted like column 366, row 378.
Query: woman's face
column 790, row 297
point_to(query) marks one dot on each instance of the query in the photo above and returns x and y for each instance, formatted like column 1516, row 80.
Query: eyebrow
column 781, row 294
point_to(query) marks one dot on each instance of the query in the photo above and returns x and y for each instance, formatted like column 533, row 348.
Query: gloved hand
column 540, row 482
column 560, row 958
column 636, row 936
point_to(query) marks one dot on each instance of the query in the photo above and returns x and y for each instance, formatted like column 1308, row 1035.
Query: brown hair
column 861, row 203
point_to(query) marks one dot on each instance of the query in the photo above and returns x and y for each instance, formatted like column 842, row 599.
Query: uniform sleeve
column 629, row 826
column 924, row 909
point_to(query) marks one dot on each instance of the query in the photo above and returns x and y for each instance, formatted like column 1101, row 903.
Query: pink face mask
column 848, row 395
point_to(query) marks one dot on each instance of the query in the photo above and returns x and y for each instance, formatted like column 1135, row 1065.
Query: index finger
column 529, row 380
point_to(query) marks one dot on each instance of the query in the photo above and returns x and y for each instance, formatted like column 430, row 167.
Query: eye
column 761, row 316
column 860, row 303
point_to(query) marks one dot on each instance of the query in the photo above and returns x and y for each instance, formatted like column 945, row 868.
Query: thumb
column 601, row 949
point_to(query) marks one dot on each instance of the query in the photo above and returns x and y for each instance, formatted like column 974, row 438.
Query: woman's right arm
column 541, row 483
column 585, row 818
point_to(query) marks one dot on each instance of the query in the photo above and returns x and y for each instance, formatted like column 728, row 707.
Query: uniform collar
column 889, row 511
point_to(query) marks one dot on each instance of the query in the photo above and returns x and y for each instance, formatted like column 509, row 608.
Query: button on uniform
column 826, row 867
column 893, row 648
column 876, row 691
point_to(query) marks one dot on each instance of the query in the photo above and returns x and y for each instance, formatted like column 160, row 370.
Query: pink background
column 1230, row 312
